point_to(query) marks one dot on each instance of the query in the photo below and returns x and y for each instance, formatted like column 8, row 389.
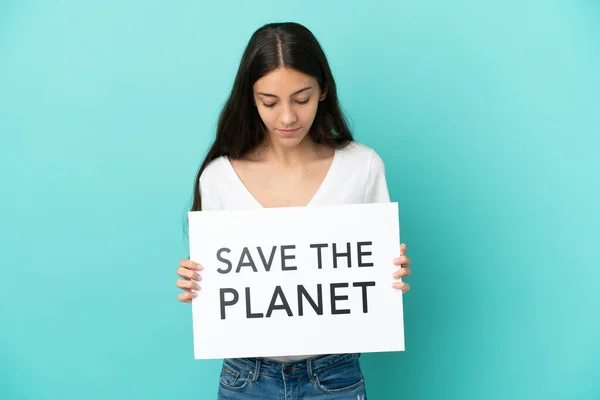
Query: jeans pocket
column 232, row 377
column 341, row 377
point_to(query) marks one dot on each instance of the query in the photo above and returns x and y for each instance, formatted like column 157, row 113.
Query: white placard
column 264, row 270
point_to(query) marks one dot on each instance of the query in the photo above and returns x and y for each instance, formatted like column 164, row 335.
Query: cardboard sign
column 296, row 281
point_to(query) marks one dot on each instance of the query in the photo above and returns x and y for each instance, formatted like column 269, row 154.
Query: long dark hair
column 240, row 128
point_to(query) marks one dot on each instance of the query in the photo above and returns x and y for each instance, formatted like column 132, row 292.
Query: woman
column 283, row 141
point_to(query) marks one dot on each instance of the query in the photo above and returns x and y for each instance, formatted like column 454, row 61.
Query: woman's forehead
column 284, row 82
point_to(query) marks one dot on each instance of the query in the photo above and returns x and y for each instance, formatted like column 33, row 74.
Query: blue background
column 486, row 113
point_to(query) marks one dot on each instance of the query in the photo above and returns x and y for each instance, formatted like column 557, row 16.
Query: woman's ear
column 323, row 95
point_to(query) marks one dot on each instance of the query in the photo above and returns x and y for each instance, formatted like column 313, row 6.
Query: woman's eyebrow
column 293, row 94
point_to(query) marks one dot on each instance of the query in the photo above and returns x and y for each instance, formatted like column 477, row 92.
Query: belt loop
column 256, row 370
column 311, row 374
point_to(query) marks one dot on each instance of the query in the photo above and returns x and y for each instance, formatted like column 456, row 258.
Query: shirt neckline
column 316, row 195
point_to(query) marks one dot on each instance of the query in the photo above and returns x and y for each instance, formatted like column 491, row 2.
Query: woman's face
column 287, row 102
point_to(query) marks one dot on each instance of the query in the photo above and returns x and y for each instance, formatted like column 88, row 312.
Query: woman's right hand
column 188, row 271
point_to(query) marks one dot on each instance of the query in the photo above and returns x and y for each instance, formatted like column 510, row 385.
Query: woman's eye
column 271, row 105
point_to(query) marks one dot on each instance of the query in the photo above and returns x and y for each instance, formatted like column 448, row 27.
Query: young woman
column 283, row 141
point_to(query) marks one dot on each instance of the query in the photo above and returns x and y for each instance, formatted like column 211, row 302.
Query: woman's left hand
column 403, row 262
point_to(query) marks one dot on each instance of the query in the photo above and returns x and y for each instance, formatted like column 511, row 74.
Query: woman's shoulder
column 214, row 171
column 360, row 154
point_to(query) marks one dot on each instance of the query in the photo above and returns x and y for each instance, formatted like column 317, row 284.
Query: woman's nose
column 288, row 116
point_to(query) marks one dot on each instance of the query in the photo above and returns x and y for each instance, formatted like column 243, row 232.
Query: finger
column 402, row 273
column 187, row 285
column 402, row 260
column 402, row 249
column 186, row 297
column 189, row 264
column 405, row 287
column 188, row 274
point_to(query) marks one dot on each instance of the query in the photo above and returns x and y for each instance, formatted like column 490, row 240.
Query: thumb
column 402, row 249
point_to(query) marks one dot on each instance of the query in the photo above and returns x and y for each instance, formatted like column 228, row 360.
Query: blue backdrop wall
column 487, row 115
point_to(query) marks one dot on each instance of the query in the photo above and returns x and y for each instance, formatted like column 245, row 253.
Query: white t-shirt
column 356, row 176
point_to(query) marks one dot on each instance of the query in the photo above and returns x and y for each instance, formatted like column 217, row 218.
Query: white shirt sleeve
column 208, row 194
column 377, row 189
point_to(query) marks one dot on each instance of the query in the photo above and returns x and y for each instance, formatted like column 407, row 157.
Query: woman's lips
column 288, row 132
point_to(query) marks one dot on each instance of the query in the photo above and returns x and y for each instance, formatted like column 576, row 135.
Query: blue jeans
column 329, row 377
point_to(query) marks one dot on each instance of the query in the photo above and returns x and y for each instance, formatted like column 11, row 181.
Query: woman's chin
column 289, row 139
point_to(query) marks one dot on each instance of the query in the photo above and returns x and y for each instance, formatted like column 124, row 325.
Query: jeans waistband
column 306, row 367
